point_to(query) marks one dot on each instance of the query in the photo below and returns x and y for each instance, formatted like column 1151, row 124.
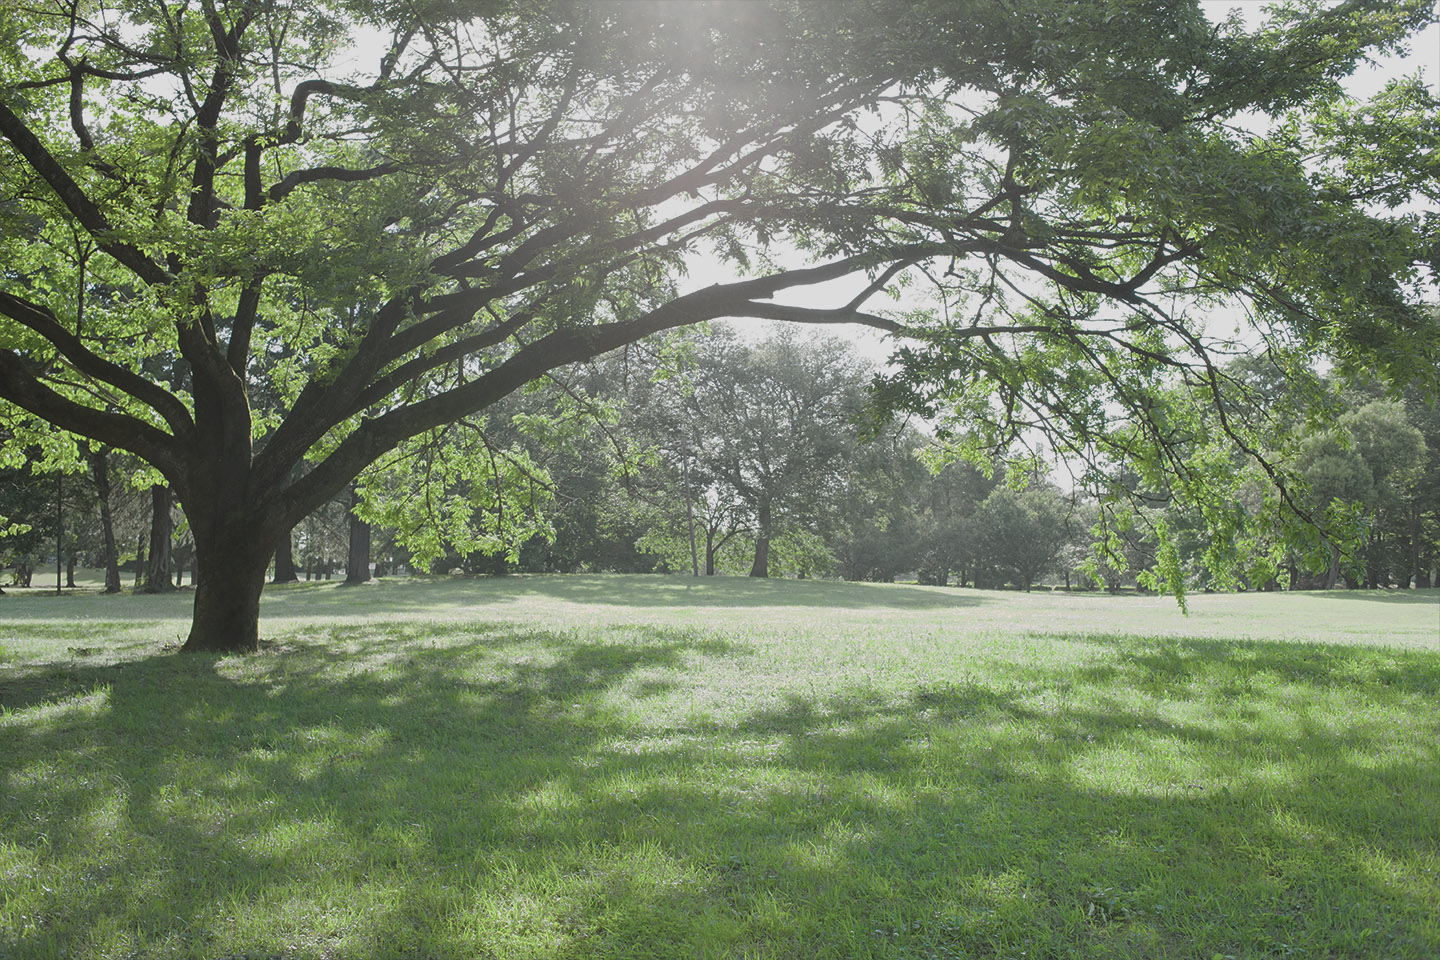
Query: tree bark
column 157, row 572
column 285, row 560
column 1416, row 574
column 1374, row 578
column 100, row 470
column 357, row 564
column 761, row 566
column 230, row 578
column 180, row 556
column 1332, row 575
column 59, row 525
column 139, row 560
column 690, row 517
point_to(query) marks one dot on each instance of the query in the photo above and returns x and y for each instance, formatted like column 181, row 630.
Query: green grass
column 651, row 767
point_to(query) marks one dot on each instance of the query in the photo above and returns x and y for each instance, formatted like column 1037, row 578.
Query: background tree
column 1019, row 534
column 1363, row 472
column 1394, row 452
column 1423, row 527
column 27, row 520
column 158, row 571
column 877, row 528
column 776, row 424
column 285, row 569
column 98, row 459
column 949, row 535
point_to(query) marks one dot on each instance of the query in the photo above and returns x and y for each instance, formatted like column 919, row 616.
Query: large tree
column 381, row 237
column 771, row 425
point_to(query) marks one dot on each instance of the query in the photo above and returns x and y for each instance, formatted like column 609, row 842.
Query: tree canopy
column 260, row 243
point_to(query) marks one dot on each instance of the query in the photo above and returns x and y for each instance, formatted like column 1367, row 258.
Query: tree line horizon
column 704, row 437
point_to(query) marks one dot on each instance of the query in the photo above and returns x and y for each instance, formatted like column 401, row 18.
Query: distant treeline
column 714, row 454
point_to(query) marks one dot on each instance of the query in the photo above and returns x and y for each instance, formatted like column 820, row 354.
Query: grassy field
column 655, row 767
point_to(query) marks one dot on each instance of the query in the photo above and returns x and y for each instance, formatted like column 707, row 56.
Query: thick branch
column 792, row 314
column 75, row 200
column 315, row 174
column 420, row 365
column 554, row 350
column 43, row 322
column 241, row 328
column 20, row 386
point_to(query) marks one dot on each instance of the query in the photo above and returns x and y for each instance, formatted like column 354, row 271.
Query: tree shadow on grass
column 82, row 607
column 1428, row 595
column 376, row 797
column 745, row 592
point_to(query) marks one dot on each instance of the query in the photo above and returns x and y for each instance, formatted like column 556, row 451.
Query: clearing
column 610, row 766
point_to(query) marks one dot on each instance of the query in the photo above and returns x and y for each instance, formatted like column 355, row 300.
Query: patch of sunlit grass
column 646, row 767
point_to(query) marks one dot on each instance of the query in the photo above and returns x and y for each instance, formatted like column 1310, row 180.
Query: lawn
column 659, row 767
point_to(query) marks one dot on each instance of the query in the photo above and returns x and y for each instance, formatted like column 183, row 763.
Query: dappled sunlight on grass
column 718, row 784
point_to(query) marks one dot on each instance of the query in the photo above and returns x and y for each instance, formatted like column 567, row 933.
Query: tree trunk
column 70, row 571
column 357, row 564
column 761, row 566
column 285, row 561
column 230, row 577
column 1416, row 574
column 179, row 557
column 100, row 469
column 1332, row 575
column 690, row 517
column 157, row 572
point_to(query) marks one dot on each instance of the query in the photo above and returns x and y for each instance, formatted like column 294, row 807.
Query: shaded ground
column 869, row 781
